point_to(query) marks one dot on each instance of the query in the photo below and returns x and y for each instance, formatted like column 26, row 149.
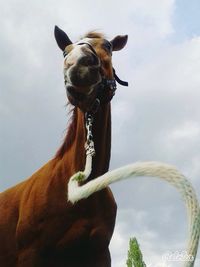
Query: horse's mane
column 94, row 34
column 68, row 139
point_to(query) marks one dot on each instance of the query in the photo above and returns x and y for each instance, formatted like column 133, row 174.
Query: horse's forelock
column 94, row 34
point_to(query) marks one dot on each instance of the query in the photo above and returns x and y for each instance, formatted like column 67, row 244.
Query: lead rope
column 89, row 148
column 153, row 169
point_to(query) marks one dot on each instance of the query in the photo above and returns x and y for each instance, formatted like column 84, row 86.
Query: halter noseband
column 105, row 90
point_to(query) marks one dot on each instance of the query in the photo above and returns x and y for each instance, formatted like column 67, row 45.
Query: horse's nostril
column 95, row 59
column 90, row 60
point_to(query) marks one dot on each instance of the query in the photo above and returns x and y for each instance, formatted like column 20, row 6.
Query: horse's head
column 88, row 71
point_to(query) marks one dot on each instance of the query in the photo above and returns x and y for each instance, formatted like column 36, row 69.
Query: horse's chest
column 92, row 223
column 67, row 228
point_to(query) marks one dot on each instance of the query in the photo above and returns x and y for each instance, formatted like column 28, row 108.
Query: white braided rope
column 88, row 167
column 153, row 169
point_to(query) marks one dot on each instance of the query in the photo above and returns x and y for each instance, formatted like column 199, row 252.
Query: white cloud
column 156, row 15
column 185, row 131
column 162, row 97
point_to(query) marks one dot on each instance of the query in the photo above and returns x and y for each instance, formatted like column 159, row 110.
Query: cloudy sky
column 155, row 118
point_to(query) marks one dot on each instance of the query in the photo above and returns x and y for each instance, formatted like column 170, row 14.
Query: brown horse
column 38, row 227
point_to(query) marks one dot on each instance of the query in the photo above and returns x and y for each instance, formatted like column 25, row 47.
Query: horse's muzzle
column 84, row 76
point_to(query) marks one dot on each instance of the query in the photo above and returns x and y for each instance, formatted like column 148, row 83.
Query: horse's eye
column 108, row 46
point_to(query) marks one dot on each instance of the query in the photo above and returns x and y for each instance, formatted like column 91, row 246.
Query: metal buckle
column 112, row 84
column 89, row 145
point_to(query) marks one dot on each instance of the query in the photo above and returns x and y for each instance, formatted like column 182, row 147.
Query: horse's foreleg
column 102, row 259
column 28, row 258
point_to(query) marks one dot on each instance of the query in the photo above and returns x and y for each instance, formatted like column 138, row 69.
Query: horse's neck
column 102, row 141
column 73, row 150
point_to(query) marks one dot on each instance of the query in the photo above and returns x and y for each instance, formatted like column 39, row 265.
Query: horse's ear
column 61, row 38
column 119, row 42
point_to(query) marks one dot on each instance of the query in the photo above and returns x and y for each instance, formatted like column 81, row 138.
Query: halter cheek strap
column 119, row 80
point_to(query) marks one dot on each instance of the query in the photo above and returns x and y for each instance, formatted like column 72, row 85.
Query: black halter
column 105, row 90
